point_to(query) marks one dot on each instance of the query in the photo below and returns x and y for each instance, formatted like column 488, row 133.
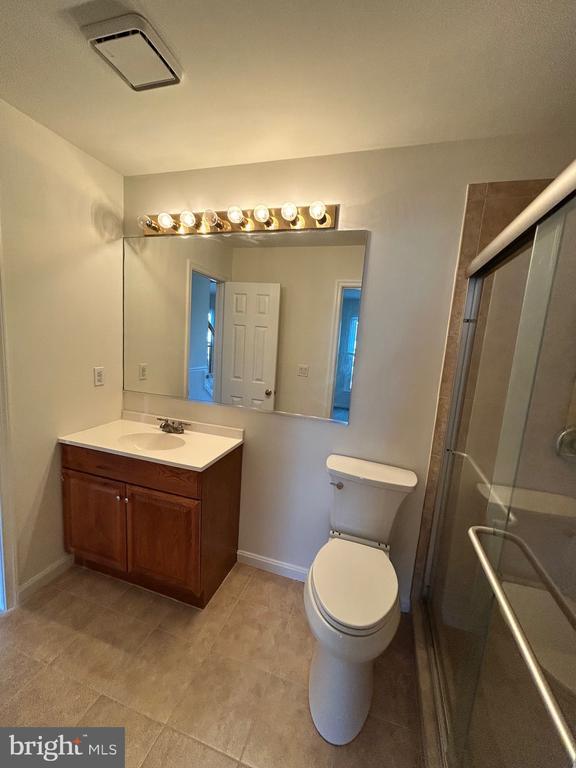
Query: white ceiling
column 268, row 80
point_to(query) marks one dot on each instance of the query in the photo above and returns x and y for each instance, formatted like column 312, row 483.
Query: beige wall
column 308, row 314
column 412, row 201
column 60, row 215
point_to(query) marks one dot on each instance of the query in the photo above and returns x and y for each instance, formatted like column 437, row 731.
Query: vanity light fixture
column 166, row 221
column 211, row 219
column 236, row 216
column 147, row 224
column 285, row 218
column 262, row 216
column 318, row 211
column 188, row 219
column 289, row 212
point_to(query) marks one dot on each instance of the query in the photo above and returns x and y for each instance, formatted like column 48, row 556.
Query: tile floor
column 210, row 688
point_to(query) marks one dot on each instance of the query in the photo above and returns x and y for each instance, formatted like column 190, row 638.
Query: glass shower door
column 501, row 472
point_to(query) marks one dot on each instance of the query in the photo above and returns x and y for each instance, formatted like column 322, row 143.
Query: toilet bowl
column 351, row 601
column 351, row 593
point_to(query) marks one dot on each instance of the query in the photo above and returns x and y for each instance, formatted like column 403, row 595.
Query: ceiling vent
column 134, row 50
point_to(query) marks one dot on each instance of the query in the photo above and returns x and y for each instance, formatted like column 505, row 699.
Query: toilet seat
column 354, row 586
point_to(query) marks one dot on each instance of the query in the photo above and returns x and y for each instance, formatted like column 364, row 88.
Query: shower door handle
column 566, row 443
column 522, row 642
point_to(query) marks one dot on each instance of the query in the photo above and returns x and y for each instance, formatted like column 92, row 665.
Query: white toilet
column 351, row 593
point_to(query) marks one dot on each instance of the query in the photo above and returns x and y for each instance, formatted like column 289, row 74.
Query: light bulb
column 236, row 215
column 211, row 219
column 166, row 221
column 261, row 214
column 289, row 211
column 145, row 223
column 318, row 211
column 187, row 219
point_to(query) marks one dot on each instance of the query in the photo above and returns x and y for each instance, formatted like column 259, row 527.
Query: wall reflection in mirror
column 265, row 321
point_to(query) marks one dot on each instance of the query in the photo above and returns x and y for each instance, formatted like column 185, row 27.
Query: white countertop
column 199, row 447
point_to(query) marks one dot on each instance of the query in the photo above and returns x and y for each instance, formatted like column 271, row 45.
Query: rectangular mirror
column 266, row 321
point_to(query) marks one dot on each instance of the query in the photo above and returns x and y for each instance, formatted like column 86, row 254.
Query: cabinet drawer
column 161, row 477
column 164, row 537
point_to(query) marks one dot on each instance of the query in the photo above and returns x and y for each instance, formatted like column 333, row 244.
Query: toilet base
column 340, row 695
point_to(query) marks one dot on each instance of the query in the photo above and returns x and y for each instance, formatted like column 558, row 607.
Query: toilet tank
column 366, row 496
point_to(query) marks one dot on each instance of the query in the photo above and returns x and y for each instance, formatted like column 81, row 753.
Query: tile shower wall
column 489, row 208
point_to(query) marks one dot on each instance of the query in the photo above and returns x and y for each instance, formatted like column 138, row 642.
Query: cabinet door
column 164, row 537
column 95, row 518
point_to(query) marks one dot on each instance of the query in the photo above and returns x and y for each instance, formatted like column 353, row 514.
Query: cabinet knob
column 118, row 498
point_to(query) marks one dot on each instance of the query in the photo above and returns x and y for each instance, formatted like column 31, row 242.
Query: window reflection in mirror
column 347, row 337
column 267, row 321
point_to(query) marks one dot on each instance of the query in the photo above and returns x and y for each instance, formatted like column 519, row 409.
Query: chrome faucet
column 172, row 427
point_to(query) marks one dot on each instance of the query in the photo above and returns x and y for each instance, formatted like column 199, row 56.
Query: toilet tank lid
column 371, row 472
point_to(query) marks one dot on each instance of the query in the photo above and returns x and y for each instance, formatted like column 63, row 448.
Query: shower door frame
column 506, row 246
column 467, row 335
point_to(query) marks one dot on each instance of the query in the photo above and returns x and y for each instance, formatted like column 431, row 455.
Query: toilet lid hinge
column 358, row 540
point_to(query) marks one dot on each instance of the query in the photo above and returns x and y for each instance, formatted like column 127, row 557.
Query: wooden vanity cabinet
column 164, row 537
column 168, row 529
column 96, row 518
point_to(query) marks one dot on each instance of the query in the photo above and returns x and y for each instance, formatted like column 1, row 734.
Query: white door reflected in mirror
column 250, row 351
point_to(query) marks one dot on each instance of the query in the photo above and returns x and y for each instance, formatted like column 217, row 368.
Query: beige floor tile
column 283, row 735
column 220, row 704
column 198, row 627
column 34, row 635
column 380, row 744
column 250, row 634
column 395, row 696
column 146, row 606
column 294, row 649
column 39, row 598
column 16, row 670
column 91, row 585
column 102, row 649
column 174, row 750
column 67, row 610
column 154, row 680
column 236, row 581
column 400, row 652
column 49, row 699
column 272, row 591
column 141, row 732
column 75, row 571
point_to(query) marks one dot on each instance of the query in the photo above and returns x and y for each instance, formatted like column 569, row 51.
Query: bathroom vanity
column 158, row 510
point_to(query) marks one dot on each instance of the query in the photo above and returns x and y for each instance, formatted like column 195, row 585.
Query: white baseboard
column 274, row 566
column 44, row 577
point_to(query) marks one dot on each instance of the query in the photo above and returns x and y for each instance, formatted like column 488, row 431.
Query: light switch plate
column 99, row 376
column 303, row 370
column 142, row 371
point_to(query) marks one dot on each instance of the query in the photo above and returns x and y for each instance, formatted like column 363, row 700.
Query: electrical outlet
column 142, row 371
column 99, row 376
column 303, row 370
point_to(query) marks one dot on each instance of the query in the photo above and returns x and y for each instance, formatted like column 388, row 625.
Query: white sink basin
column 196, row 448
column 146, row 441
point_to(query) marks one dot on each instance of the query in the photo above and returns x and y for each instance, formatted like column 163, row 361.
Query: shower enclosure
column 501, row 581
